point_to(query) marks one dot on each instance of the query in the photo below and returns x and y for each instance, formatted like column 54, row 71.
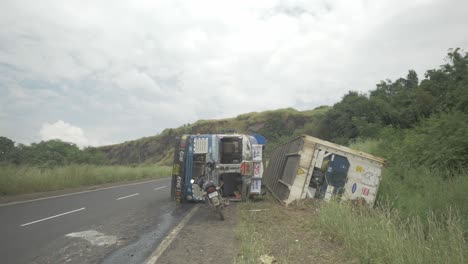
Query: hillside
column 276, row 125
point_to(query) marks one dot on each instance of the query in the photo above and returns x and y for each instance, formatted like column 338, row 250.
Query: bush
column 438, row 142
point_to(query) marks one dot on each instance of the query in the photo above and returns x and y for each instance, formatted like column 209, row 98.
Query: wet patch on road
column 141, row 248
column 128, row 238
column 94, row 237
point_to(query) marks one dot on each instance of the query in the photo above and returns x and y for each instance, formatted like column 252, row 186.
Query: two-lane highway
column 30, row 230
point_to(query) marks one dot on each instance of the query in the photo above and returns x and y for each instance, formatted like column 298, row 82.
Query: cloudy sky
column 102, row 72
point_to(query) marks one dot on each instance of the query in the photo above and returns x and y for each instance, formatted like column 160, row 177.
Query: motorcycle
column 212, row 193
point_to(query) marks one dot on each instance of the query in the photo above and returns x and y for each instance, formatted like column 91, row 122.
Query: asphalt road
column 126, row 223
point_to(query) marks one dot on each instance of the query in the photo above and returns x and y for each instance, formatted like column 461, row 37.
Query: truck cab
column 237, row 171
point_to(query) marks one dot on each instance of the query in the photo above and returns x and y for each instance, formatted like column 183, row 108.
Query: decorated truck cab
column 237, row 171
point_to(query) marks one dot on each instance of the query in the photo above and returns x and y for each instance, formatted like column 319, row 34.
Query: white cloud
column 65, row 132
column 137, row 81
column 126, row 69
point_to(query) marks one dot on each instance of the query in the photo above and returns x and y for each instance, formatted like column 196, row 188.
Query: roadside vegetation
column 382, row 235
column 271, row 233
column 421, row 214
column 27, row 179
column 55, row 165
column 310, row 231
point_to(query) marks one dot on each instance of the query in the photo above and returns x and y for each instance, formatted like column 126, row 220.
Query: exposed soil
column 272, row 233
column 262, row 231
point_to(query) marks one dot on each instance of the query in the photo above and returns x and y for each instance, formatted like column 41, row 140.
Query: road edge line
column 87, row 191
column 170, row 237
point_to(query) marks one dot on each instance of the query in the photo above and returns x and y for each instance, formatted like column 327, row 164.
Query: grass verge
column 20, row 180
column 382, row 236
column 320, row 232
column 289, row 235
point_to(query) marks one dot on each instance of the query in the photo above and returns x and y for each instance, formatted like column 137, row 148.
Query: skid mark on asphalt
column 94, row 237
column 54, row 216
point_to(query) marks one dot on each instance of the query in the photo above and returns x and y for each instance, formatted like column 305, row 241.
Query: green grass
column 382, row 236
column 289, row 235
column 423, row 192
column 20, row 180
column 421, row 217
column 328, row 232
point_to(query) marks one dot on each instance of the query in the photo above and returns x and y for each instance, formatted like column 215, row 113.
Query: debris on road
column 267, row 259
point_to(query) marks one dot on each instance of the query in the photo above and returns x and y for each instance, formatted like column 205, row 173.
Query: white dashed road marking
column 131, row 195
column 75, row 193
column 54, row 216
column 159, row 188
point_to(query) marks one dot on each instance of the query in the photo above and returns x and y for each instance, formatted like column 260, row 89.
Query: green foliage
column 438, row 142
column 399, row 104
column 6, row 147
column 48, row 153
column 421, row 129
column 371, row 146
column 426, row 170
column 423, row 192
column 351, row 118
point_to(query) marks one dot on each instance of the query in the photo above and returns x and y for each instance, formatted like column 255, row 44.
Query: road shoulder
column 205, row 239
column 269, row 232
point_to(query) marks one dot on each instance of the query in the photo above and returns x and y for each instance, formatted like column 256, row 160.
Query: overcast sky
column 102, row 72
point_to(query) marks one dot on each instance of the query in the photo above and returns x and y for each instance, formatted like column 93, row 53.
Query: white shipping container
column 310, row 167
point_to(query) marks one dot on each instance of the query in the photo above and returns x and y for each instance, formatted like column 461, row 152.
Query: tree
column 411, row 80
column 6, row 147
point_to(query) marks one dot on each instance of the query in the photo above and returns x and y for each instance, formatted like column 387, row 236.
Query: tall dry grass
column 383, row 236
column 25, row 179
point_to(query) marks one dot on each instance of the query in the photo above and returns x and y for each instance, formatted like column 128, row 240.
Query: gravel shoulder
column 205, row 239
column 261, row 231
column 271, row 233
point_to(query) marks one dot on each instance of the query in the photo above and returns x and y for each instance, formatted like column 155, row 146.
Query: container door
column 336, row 174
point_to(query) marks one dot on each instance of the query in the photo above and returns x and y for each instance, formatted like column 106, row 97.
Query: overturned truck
column 237, row 160
column 310, row 167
